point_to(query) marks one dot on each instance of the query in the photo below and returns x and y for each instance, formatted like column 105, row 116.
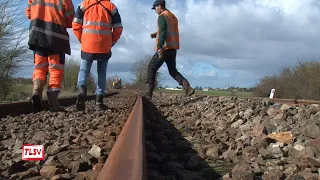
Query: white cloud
column 222, row 42
column 253, row 37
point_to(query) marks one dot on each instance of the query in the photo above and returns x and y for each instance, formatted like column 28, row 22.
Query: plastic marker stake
column 272, row 93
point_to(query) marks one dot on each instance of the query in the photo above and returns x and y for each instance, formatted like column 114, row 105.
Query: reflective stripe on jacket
column 49, row 22
column 172, row 32
column 95, row 28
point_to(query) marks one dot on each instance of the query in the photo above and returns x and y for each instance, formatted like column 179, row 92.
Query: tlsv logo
column 32, row 152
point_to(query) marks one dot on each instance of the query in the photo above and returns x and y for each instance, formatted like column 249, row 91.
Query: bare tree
column 70, row 76
column 109, row 83
column 12, row 50
column 140, row 69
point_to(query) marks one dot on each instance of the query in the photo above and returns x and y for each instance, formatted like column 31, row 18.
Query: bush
column 71, row 71
column 140, row 70
column 12, row 51
column 300, row 82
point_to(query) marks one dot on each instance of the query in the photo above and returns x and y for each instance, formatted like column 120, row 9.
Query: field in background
column 20, row 92
column 216, row 93
column 24, row 92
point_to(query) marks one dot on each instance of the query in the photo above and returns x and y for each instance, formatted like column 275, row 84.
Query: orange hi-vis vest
column 172, row 34
column 97, row 25
column 49, row 22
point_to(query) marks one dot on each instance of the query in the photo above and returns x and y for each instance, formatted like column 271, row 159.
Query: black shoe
column 149, row 90
column 101, row 107
column 99, row 103
column 148, row 96
column 80, row 104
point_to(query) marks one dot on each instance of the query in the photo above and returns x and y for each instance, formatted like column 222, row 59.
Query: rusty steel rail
column 275, row 100
column 295, row 101
column 127, row 159
column 18, row 108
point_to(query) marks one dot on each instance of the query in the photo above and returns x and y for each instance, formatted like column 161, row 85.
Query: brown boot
column 148, row 91
column 53, row 102
column 37, row 94
column 187, row 88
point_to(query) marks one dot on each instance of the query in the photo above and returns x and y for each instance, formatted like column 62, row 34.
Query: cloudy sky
column 223, row 42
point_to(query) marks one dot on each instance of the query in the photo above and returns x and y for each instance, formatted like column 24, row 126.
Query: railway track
column 76, row 143
column 132, row 140
column 273, row 100
column 18, row 108
column 127, row 159
column 91, row 144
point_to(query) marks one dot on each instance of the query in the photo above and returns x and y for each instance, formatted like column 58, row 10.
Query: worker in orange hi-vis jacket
column 49, row 40
column 97, row 25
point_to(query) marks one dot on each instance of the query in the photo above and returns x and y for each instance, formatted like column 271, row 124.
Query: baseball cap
column 158, row 2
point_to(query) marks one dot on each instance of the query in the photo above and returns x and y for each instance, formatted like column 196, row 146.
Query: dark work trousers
column 169, row 56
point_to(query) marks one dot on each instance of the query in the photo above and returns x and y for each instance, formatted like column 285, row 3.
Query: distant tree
column 70, row 77
column 21, row 80
column 139, row 70
column 301, row 81
column 12, row 50
column 110, row 83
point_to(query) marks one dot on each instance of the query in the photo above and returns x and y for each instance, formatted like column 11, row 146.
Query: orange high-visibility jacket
column 97, row 25
column 49, row 22
column 172, row 32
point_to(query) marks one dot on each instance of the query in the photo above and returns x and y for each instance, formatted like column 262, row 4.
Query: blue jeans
column 84, row 72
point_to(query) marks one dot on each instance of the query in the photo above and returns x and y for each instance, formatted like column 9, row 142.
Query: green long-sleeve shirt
column 162, row 25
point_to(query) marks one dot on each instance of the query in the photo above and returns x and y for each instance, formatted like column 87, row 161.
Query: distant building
column 173, row 88
column 206, row 89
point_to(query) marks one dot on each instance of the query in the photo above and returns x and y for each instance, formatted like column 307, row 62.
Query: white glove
column 160, row 51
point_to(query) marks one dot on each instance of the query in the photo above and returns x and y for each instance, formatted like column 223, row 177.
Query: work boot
column 187, row 88
column 53, row 102
column 148, row 91
column 99, row 103
column 81, row 102
column 37, row 94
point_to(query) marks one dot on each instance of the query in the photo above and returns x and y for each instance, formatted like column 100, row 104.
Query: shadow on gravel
column 169, row 155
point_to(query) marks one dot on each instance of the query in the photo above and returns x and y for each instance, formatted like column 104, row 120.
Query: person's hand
column 160, row 53
column 153, row 35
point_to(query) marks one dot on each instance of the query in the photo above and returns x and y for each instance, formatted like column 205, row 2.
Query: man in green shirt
column 166, row 47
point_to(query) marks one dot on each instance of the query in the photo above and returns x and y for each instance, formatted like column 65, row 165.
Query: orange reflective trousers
column 51, row 63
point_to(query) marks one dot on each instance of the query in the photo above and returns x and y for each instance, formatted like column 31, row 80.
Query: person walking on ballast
column 97, row 25
column 49, row 40
column 167, row 44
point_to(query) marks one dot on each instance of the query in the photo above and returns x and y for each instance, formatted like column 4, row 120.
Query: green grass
column 19, row 92
column 24, row 91
column 214, row 93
